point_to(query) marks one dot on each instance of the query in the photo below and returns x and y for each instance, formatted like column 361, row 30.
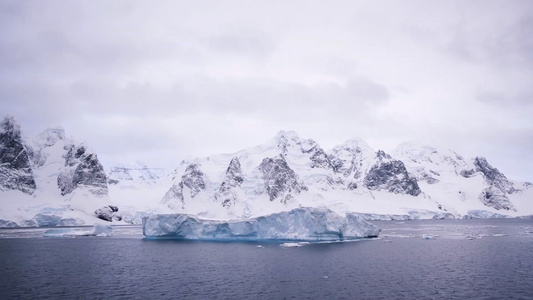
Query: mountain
column 15, row 169
column 52, row 180
column 391, row 175
column 413, row 181
column 460, row 184
column 49, row 180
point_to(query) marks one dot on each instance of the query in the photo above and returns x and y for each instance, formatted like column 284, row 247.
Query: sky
column 161, row 81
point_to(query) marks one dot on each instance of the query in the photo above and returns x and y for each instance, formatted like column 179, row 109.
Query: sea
column 425, row 259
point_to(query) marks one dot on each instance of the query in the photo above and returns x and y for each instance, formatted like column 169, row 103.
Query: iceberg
column 300, row 224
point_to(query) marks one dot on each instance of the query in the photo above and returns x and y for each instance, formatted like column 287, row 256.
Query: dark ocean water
column 475, row 259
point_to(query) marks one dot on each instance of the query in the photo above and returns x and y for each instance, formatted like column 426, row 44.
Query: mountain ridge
column 354, row 166
column 412, row 181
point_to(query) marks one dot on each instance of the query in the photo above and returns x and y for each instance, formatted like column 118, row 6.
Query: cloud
column 182, row 78
column 506, row 44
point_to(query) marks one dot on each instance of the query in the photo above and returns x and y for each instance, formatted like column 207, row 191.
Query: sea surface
column 448, row 259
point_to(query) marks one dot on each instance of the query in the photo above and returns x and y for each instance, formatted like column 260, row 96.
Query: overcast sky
column 159, row 81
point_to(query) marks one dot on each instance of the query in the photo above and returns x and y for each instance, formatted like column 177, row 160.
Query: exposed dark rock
column 112, row 181
column 233, row 179
column 15, row 168
column 496, row 194
column 175, row 192
column 352, row 186
column 108, row 213
column 336, row 163
column 467, row 173
column 90, row 172
column 496, row 198
column 318, row 157
column 391, row 175
column 493, row 176
column 428, row 177
column 280, row 180
column 193, row 178
column 82, row 169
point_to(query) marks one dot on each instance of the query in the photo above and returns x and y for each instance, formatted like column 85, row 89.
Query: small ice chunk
column 102, row 230
column 293, row 245
column 429, row 237
column 62, row 232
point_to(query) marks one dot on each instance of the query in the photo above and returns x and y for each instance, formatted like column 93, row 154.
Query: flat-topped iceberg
column 300, row 224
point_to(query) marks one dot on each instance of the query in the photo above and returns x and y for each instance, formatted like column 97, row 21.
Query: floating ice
column 97, row 230
column 301, row 224
column 102, row 230
column 429, row 237
column 294, row 245
column 62, row 232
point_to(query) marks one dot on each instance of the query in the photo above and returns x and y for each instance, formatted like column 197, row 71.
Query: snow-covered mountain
column 15, row 167
column 413, row 181
column 52, row 180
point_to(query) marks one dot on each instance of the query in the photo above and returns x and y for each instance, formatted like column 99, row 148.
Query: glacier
column 300, row 224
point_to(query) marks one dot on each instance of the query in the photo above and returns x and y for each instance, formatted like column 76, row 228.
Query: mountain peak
column 50, row 136
column 287, row 134
column 415, row 145
column 286, row 140
column 354, row 144
column 9, row 126
column 15, row 167
column 382, row 155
